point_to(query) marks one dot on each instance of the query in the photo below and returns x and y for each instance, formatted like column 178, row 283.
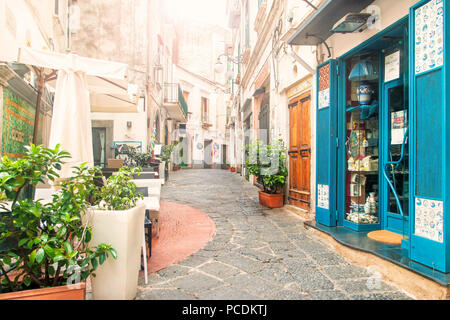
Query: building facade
column 357, row 92
column 137, row 33
column 206, row 92
column 27, row 24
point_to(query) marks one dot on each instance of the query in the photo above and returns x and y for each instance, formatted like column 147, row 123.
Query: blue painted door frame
column 326, row 140
column 428, row 111
column 430, row 152
column 384, row 190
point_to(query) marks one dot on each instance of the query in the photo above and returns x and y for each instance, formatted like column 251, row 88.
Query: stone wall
column 114, row 30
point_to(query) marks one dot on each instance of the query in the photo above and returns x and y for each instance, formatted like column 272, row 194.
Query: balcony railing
column 174, row 95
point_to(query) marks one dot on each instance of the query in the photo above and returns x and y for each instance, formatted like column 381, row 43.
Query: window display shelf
column 362, row 148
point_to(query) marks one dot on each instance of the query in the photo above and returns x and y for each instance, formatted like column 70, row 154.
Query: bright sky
column 208, row 11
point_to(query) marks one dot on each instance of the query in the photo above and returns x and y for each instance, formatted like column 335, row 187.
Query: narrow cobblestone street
column 254, row 254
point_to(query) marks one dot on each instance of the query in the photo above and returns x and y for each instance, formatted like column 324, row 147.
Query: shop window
column 362, row 140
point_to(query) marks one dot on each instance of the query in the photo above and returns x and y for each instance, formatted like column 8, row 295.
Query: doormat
column 386, row 237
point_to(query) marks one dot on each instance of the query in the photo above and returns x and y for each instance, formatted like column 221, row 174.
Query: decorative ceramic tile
column 429, row 219
column 324, row 77
column 323, row 196
column 429, row 31
column 324, row 98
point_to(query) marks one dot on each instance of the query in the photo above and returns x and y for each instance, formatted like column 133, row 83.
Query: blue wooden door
column 326, row 141
column 429, row 147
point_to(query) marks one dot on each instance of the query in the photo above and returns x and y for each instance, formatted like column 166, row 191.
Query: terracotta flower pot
column 228, row 167
column 72, row 292
column 233, row 169
column 271, row 200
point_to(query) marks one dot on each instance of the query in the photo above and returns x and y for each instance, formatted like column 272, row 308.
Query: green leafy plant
column 46, row 244
column 268, row 164
column 166, row 152
column 136, row 158
column 119, row 193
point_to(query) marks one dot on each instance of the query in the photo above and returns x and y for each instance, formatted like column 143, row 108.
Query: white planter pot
column 123, row 230
column 162, row 171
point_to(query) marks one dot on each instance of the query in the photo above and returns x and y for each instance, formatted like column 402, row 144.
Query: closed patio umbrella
column 83, row 85
column 71, row 121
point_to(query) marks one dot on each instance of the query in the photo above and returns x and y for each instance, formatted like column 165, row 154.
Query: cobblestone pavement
column 255, row 255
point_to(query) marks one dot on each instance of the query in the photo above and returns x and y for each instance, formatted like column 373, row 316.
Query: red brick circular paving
column 183, row 231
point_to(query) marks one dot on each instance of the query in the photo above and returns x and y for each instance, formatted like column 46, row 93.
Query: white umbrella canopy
column 71, row 120
column 79, row 81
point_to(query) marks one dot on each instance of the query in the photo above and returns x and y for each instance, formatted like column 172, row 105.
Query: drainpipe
column 301, row 61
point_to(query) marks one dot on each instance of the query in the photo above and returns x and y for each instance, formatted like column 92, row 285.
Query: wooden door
column 300, row 151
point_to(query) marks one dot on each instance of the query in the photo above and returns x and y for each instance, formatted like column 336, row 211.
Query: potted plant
column 136, row 158
column 267, row 164
column 233, row 169
column 45, row 246
column 165, row 156
column 119, row 220
column 227, row 166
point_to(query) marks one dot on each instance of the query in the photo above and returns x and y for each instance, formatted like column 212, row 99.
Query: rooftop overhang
column 318, row 27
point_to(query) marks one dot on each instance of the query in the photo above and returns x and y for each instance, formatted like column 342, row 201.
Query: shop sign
column 392, row 67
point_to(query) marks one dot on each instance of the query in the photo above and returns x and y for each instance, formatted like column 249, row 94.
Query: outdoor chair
column 152, row 207
column 147, row 233
column 150, row 219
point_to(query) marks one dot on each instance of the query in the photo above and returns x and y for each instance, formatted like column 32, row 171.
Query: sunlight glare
column 207, row 11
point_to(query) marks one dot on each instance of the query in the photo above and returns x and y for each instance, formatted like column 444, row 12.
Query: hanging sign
column 392, row 67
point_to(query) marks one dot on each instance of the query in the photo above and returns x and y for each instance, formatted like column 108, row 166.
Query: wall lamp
column 351, row 22
column 219, row 66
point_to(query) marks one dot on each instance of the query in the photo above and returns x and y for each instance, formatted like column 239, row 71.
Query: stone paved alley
column 254, row 254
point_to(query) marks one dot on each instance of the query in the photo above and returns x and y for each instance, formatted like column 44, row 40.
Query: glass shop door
column 396, row 163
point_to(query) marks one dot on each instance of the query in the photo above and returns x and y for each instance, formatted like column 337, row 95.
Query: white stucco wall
column 121, row 131
column 199, row 87
column 391, row 12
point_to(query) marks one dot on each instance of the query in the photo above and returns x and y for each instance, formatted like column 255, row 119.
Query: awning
column 259, row 91
column 318, row 28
